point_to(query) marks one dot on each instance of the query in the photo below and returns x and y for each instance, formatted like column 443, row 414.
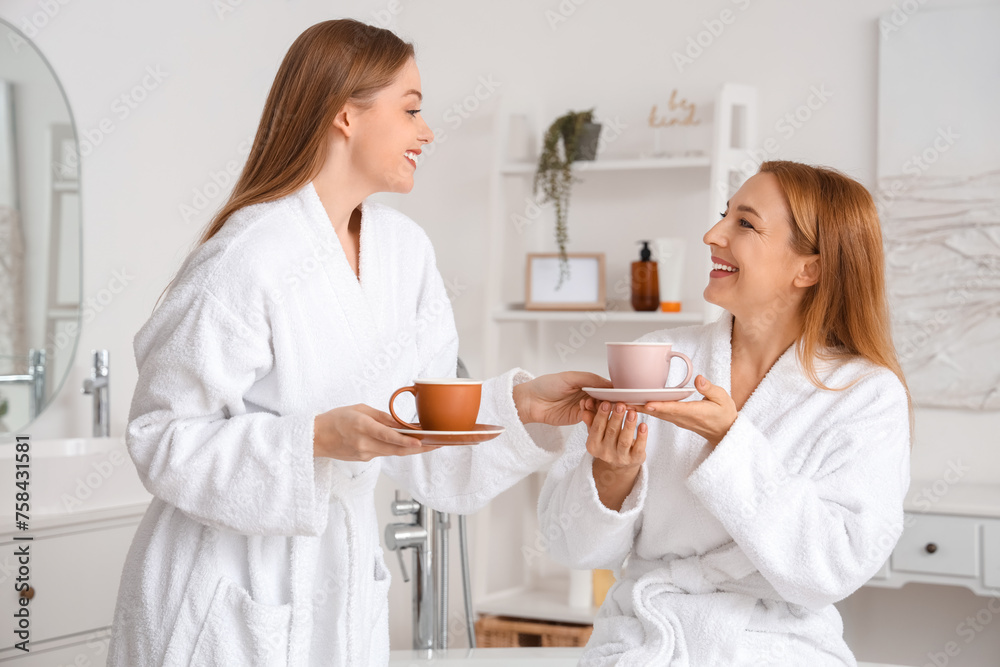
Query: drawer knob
column 930, row 548
column 28, row 593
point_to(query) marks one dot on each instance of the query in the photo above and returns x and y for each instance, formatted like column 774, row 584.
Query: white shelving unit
column 637, row 164
column 733, row 133
column 515, row 312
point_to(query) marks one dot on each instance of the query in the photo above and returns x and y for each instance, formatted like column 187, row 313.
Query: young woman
column 257, row 418
column 781, row 491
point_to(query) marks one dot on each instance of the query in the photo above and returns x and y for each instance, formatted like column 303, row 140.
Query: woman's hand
column 555, row 399
column 618, row 445
column 711, row 417
column 360, row 433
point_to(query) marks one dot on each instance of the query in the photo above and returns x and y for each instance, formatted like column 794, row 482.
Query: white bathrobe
column 250, row 538
column 735, row 557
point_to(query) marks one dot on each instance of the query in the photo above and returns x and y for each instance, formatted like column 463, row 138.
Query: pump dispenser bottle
column 645, row 282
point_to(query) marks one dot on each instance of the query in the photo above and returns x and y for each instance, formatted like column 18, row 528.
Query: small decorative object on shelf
column 679, row 112
column 579, row 135
column 645, row 283
column 670, row 269
column 546, row 289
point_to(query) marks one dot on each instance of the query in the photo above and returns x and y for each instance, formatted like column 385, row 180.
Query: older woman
column 781, row 491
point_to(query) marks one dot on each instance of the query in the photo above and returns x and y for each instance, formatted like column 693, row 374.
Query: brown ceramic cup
column 643, row 365
column 443, row 404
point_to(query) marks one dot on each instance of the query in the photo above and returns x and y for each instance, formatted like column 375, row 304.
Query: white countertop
column 526, row 657
column 39, row 523
column 542, row 605
column 940, row 497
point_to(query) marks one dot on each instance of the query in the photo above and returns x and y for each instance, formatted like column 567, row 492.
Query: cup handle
column 413, row 390
column 687, row 360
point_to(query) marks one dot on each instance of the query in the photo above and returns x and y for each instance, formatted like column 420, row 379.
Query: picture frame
column 583, row 289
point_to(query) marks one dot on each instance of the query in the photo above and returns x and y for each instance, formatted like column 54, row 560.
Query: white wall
column 214, row 72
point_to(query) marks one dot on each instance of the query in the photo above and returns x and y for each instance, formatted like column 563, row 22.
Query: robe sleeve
column 578, row 530
column 817, row 536
column 195, row 440
column 463, row 479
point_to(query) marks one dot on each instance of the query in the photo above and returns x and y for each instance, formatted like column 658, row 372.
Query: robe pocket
column 379, row 640
column 240, row 631
column 380, row 591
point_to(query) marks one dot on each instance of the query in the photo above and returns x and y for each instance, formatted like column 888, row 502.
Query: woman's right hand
column 618, row 445
column 360, row 433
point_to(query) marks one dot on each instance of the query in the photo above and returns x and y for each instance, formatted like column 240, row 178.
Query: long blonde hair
column 329, row 64
column 846, row 313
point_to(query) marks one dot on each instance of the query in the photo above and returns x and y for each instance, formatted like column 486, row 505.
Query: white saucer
column 639, row 396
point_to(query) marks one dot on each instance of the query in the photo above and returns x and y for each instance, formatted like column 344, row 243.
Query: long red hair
column 846, row 313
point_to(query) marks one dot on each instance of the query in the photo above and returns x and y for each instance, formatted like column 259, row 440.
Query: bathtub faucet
column 419, row 536
column 97, row 385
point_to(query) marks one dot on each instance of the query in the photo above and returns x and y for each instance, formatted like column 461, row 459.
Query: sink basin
column 72, row 475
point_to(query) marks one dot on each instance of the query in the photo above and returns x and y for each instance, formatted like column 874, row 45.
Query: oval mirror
column 40, row 229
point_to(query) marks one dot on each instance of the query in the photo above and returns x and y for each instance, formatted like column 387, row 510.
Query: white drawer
column 883, row 572
column 75, row 578
column 90, row 653
column 991, row 554
column 937, row 544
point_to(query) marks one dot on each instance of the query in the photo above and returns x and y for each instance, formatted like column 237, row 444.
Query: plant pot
column 586, row 147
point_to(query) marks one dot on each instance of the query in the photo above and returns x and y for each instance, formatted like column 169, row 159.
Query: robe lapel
column 720, row 353
column 372, row 268
column 775, row 384
column 714, row 355
column 354, row 300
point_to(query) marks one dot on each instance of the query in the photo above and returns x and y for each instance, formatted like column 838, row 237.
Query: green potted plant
column 578, row 134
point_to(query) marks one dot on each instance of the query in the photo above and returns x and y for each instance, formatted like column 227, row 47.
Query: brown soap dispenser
column 645, row 282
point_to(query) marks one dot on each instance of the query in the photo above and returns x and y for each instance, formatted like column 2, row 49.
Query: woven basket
column 506, row 632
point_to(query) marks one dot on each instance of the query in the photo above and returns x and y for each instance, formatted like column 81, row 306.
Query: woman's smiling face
column 755, row 269
column 389, row 134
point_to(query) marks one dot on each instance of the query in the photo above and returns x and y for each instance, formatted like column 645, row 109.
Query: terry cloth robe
column 735, row 557
column 249, row 538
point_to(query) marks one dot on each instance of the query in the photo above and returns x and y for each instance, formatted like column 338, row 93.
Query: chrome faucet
column 418, row 536
column 97, row 385
column 35, row 379
column 427, row 535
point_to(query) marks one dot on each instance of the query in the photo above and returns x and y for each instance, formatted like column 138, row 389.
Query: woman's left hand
column 711, row 417
column 555, row 399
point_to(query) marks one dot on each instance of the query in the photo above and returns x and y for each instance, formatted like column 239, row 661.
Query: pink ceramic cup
column 643, row 365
